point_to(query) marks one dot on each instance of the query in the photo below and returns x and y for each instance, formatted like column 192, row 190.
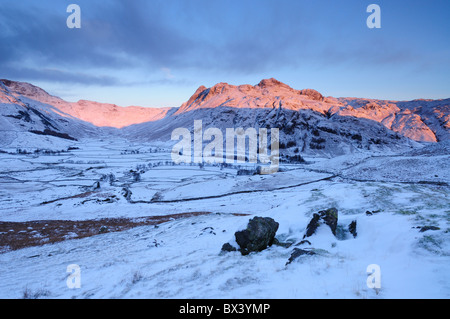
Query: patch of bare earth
column 18, row 235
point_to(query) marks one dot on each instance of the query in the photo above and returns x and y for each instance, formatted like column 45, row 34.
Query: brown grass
column 17, row 235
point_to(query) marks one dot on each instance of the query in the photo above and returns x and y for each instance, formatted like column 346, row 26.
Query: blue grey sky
column 156, row 53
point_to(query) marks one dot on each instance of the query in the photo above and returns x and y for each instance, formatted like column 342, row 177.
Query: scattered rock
column 425, row 228
column 330, row 218
column 281, row 244
column 303, row 242
column 352, row 228
column 103, row 230
column 370, row 213
column 312, row 226
column 228, row 248
column 259, row 234
column 156, row 243
column 297, row 252
column 207, row 230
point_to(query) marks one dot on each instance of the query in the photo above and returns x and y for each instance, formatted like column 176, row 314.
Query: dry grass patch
column 18, row 235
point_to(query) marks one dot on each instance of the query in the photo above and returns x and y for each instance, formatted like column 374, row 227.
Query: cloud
column 241, row 37
column 127, row 34
column 118, row 36
column 59, row 76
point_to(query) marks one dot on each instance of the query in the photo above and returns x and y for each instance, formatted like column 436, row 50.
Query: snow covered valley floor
column 140, row 227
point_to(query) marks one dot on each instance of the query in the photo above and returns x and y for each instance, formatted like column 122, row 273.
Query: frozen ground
column 181, row 258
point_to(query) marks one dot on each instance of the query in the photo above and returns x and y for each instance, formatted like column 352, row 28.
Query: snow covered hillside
column 27, row 122
column 420, row 120
column 313, row 122
column 402, row 223
column 113, row 202
column 98, row 114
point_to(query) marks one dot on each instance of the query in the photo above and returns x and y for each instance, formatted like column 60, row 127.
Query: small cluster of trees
column 20, row 151
column 133, row 152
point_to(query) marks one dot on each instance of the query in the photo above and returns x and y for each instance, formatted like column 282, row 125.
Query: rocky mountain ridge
column 308, row 121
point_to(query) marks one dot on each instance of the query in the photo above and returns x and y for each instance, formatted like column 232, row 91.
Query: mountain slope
column 98, row 114
column 303, row 131
column 419, row 120
column 26, row 122
column 269, row 93
column 308, row 121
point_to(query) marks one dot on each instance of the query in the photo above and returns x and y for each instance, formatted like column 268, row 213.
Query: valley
column 141, row 225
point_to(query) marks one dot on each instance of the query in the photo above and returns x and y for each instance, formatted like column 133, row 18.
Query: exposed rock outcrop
column 297, row 252
column 259, row 234
column 329, row 217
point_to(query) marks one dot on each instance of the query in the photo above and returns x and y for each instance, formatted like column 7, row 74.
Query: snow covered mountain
column 29, row 116
column 308, row 121
column 420, row 120
column 99, row 114
column 25, row 121
column 115, row 204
